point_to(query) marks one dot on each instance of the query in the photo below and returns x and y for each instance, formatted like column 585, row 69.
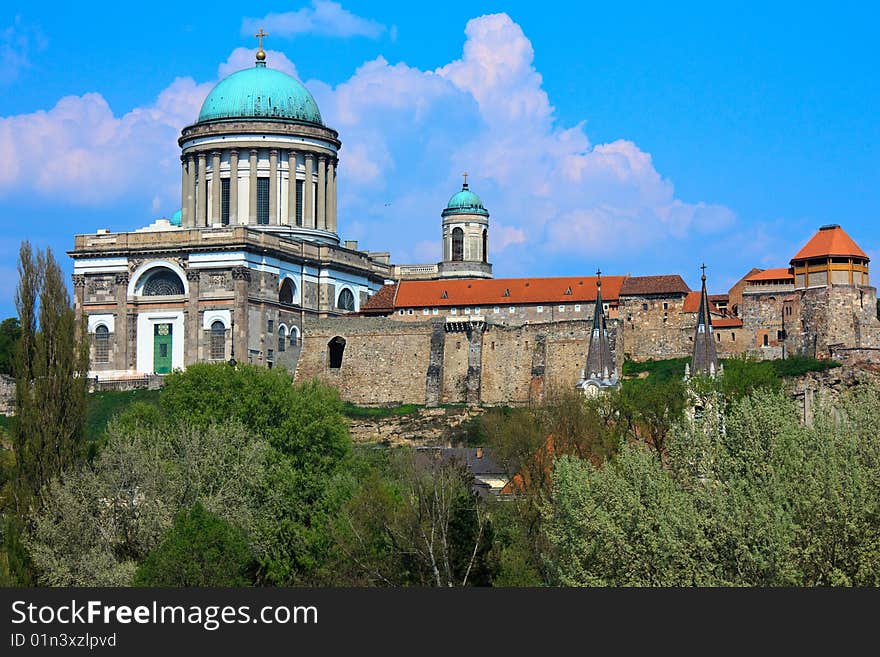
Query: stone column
column 240, row 279
column 188, row 219
column 233, row 187
column 291, row 189
column 308, row 195
column 252, row 188
column 191, row 321
column 201, row 194
column 79, row 290
column 331, row 196
column 121, row 324
column 184, row 179
column 273, row 187
column 321, row 222
column 215, row 188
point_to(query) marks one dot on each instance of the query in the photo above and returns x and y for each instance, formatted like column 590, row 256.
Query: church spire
column 704, row 359
column 261, row 54
column 600, row 371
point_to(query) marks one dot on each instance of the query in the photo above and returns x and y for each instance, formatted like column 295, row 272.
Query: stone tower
column 465, row 237
column 600, row 372
column 704, row 359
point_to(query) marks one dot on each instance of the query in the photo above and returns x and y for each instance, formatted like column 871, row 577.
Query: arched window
column 162, row 282
column 457, row 244
column 102, row 344
column 485, row 247
column 335, row 348
column 294, row 336
column 766, row 340
column 346, row 300
column 282, row 338
column 287, row 292
column 218, row 341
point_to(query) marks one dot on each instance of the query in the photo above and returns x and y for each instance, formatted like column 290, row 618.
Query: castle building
column 252, row 269
column 254, row 250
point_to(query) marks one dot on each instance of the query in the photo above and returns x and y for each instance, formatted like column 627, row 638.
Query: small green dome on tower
column 260, row 93
column 177, row 218
column 465, row 202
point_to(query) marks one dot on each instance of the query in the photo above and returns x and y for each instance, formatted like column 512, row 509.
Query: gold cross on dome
column 465, row 174
column 260, row 36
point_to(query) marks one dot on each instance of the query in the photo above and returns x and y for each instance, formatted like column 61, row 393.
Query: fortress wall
column 387, row 362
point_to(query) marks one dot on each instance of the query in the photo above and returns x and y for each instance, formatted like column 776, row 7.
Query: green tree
column 10, row 333
column 50, row 370
column 101, row 520
column 202, row 549
column 647, row 410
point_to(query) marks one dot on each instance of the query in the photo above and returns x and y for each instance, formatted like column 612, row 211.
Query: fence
column 144, row 382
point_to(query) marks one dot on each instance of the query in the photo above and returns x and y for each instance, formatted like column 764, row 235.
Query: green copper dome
column 465, row 202
column 260, row 93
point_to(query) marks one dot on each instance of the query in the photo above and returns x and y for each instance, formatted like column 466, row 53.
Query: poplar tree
column 50, row 370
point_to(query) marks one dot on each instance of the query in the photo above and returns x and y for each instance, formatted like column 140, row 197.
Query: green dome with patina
column 260, row 93
column 465, row 202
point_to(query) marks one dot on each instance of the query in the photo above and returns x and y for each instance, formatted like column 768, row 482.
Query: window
column 540, row 309
column 780, row 335
column 718, row 336
column 435, row 311
column 457, row 244
column 496, row 310
column 562, row 309
column 485, row 247
column 263, row 201
column 218, row 341
column 270, row 326
column 282, row 338
column 476, row 311
column 512, row 310
column 733, row 336
column 577, row 308
column 400, row 312
column 467, row 311
column 644, row 306
column 224, row 201
column 163, row 282
column 454, row 311
column 409, row 312
column 766, row 340
column 425, row 311
column 287, row 292
column 665, row 305
column 335, row 348
column 102, row 344
column 270, row 355
column 299, row 202
column 346, row 300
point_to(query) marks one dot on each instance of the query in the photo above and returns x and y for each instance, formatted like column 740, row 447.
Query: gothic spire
column 704, row 359
column 600, row 365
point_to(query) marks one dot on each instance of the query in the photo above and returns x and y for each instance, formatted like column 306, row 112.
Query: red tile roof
column 830, row 241
column 719, row 297
column 381, row 302
column 504, row 291
column 726, row 322
column 692, row 303
column 663, row 284
column 776, row 274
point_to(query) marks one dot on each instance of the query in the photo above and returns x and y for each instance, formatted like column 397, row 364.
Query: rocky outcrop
column 436, row 427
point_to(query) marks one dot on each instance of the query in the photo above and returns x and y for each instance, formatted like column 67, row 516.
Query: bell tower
column 465, row 236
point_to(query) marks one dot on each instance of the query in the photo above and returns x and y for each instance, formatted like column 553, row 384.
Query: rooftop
column 830, row 240
column 505, row 291
column 662, row 284
column 775, row 274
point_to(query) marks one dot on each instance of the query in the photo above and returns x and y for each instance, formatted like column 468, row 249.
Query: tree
column 202, row 549
column 10, row 333
column 647, row 410
column 102, row 520
column 415, row 521
column 50, row 369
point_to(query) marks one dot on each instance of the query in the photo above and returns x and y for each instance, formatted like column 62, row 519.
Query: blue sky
column 631, row 138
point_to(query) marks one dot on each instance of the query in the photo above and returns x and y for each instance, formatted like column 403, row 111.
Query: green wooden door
column 162, row 348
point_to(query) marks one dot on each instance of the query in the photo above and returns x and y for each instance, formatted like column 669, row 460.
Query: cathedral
column 252, row 269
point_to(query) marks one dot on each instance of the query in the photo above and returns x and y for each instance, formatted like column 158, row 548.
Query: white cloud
column 407, row 135
column 323, row 18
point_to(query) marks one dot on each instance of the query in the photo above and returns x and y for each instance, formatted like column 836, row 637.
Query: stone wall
column 655, row 327
column 437, row 427
column 7, row 394
column 389, row 362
